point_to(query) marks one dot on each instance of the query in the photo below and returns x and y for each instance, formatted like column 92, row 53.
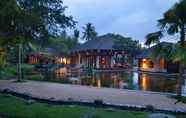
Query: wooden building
column 100, row 53
column 145, row 63
column 48, row 56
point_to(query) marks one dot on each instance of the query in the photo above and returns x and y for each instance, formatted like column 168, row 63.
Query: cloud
column 134, row 18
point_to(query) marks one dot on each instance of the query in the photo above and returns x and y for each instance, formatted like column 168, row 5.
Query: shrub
column 8, row 72
column 98, row 102
column 27, row 69
column 36, row 77
column 150, row 108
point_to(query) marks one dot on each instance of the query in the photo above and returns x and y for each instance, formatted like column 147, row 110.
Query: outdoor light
column 145, row 64
column 64, row 61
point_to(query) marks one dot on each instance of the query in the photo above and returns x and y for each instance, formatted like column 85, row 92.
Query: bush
column 27, row 69
column 98, row 102
column 36, row 77
column 8, row 72
column 150, row 108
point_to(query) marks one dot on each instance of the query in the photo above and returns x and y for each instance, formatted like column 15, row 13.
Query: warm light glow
column 62, row 72
column 68, row 61
column 144, row 64
column 144, row 60
column 99, row 83
column 33, row 60
column 162, row 63
column 144, row 82
column 64, row 60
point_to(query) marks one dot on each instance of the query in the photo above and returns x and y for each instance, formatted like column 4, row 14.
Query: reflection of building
column 158, row 64
column 61, row 72
column 100, row 54
column 144, row 81
column 156, row 83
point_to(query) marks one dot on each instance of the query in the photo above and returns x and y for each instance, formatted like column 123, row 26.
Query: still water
column 121, row 80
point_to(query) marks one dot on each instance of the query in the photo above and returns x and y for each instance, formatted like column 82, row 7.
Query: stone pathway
column 89, row 94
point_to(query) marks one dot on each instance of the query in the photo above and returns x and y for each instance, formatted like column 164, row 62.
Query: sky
column 130, row 18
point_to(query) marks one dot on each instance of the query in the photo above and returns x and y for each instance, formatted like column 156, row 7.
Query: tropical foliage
column 89, row 32
column 62, row 44
column 173, row 22
column 25, row 21
column 2, row 57
column 126, row 43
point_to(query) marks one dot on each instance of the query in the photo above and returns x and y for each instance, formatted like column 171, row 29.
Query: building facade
column 145, row 63
column 100, row 54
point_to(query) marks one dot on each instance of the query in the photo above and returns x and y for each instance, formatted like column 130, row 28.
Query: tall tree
column 173, row 22
column 23, row 21
column 126, row 43
column 17, row 26
column 89, row 32
column 52, row 12
column 76, row 34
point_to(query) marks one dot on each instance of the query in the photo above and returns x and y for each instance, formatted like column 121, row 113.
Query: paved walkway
column 89, row 94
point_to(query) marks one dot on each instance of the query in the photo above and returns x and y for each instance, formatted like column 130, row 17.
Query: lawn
column 18, row 108
column 14, row 107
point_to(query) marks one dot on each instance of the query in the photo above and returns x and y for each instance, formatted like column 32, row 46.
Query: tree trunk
column 19, row 63
column 181, row 65
column 180, row 81
column 182, row 34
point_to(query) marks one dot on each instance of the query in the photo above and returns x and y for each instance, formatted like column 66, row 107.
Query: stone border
column 96, row 103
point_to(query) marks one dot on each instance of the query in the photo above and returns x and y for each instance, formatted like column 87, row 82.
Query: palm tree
column 89, row 32
column 173, row 22
column 76, row 36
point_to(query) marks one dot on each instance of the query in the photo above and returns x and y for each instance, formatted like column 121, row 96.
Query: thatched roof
column 104, row 42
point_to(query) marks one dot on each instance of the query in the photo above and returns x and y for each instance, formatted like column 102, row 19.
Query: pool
column 120, row 80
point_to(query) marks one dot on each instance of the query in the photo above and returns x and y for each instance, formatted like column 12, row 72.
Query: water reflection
column 144, row 82
column 120, row 80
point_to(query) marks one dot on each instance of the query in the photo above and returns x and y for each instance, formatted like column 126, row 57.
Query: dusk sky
column 130, row 18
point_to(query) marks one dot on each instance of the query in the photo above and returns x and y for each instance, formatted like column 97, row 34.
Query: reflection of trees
column 124, row 77
column 130, row 81
column 105, row 79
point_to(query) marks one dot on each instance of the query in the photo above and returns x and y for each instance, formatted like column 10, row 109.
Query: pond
column 120, row 80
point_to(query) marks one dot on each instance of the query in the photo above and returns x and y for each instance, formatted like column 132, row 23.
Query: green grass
column 37, row 77
column 183, row 99
column 15, row 107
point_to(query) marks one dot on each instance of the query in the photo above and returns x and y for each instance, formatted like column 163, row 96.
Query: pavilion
column 99, row 53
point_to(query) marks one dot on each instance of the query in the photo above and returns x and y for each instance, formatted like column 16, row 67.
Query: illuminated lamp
column 144, row 60
column 64, row 60
column 145, row 64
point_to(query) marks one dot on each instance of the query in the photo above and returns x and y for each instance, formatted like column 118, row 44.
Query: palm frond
column 153, row 38
column 179, row 54
column 162, row 51
column 172, row 29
